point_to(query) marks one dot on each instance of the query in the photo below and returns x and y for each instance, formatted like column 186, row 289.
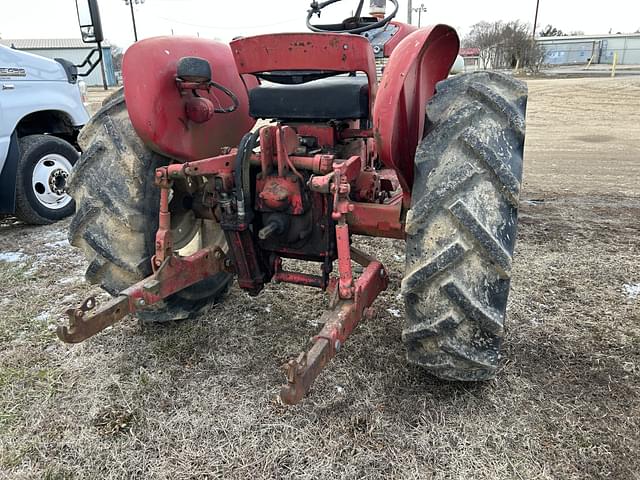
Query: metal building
column 601, row 49
column 72, row 49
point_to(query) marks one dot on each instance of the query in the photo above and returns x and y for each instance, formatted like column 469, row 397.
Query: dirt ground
column 196, row 399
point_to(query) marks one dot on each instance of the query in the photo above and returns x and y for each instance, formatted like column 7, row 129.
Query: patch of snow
column 72, row 279
column 42, row 258
column 394, row 311
column 339, row 389
column 54, row 235
column 32, row 271
column 268, row 308
column 43, row 317
column 632, row 289
column 12, row 257
column 59, row 243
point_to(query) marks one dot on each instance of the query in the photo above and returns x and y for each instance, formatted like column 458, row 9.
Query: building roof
column 47, row 43
column 582, row 38
column 470, row 52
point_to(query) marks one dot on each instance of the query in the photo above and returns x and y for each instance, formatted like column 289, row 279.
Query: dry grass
column 195, row 399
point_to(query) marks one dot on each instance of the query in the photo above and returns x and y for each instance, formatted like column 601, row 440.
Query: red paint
column 345, row 283
column 266, row 150
column 164, row 243
column 209, row 166
column 376, row 219
column 199, row 109
column 404, row 29
column 306, row 51
column 338, row 325
column 355, row 133
column 367, row 187
column 420, row 60
column 349, row 169
column 247, row 260
column 157, row 108
column 178, row 274
column 297, row 278
column 324, row 134
column 307, row 204
column 286, row 144
column 279, row 194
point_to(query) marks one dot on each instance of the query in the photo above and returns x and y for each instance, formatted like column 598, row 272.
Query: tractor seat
column 334, row 98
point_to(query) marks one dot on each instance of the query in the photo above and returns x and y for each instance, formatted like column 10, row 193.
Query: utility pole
column 420, row 9
column 535, row 19
column 409, row 11
column 104, row 75
column 133, row 16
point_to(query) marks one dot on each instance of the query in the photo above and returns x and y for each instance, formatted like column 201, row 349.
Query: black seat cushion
column 335, row 98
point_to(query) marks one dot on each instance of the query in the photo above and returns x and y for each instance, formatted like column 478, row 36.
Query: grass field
column 196, row 399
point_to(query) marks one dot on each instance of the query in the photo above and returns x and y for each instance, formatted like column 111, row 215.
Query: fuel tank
column 158, row 108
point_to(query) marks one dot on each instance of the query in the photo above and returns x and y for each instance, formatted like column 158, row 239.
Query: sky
column 230, row 18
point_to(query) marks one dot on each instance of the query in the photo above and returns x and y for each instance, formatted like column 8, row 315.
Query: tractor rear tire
column 117, row 213
column 461, row 229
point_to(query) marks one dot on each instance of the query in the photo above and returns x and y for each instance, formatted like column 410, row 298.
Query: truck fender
column 8, row 177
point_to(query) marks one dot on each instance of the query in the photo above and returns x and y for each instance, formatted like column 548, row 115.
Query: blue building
column 576, row 50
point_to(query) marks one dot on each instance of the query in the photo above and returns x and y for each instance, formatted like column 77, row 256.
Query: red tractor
column 179, row 189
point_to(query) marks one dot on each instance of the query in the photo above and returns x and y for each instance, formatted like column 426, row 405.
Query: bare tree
column 116, row 57
column 551, row 31
column 505, row 45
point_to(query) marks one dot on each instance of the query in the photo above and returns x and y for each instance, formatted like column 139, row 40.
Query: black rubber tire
column 461, row 229
column 32, row 149
column 117, row 214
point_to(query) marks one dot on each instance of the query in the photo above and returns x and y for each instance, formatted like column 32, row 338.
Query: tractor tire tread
column 462, row 225
column 117, row 212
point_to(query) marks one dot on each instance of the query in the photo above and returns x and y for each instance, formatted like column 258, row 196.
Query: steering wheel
column 354, row 24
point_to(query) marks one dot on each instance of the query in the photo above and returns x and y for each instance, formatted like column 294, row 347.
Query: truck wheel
column 117, row 214
column 461, row 229
column 43, row 169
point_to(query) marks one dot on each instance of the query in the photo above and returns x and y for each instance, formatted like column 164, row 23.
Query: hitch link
column 82, row 326
column 175, row 274
column 338, row 325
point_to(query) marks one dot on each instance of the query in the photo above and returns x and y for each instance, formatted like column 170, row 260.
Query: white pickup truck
column 41, row 113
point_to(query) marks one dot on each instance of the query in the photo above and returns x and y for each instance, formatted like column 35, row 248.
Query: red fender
column 158, row 111
column 417, row 63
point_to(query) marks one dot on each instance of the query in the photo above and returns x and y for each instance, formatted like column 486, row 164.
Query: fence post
column 613, row 66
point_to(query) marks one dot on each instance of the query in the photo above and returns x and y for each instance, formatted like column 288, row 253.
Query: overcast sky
column 229, row 18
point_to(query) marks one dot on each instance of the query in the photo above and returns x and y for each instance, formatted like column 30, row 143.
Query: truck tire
column 117, row 214
column 461, row 228
column 44, row 165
